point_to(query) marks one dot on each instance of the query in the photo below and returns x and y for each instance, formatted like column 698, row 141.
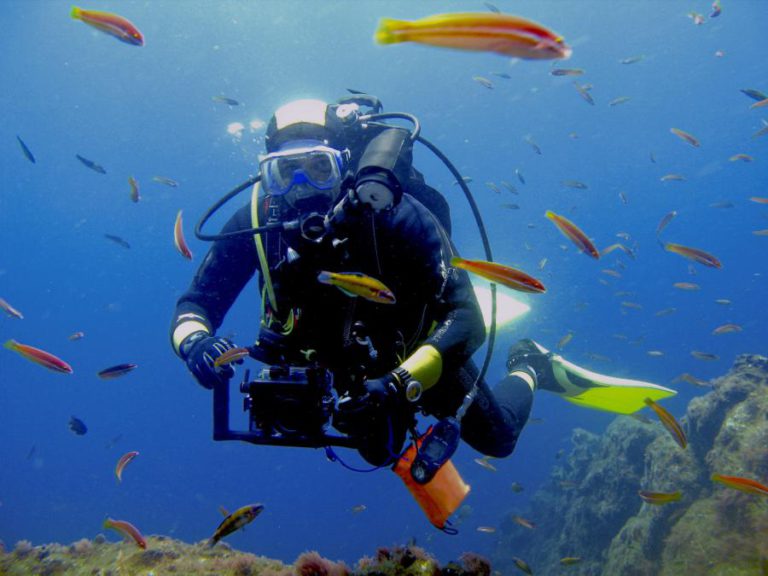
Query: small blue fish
column 91, row 164
column 77, row 426
column 25, row 149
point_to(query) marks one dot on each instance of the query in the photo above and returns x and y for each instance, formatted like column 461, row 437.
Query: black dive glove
column 355, row 414
column 381, row 398
column 200, row 351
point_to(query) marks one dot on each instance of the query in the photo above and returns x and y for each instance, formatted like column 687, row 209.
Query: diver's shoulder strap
column 263, row 261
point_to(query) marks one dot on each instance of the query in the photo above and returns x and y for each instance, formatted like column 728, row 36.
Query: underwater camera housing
column 286, row 406
column 289, row 401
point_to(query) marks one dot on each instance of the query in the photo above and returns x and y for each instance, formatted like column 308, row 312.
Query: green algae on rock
column 165, row 556
column 711, row 530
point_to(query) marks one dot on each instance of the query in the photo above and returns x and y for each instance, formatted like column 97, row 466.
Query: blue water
column 69, row 89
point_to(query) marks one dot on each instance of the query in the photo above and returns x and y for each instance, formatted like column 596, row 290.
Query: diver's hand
column 200, row 352
column 381, row 392
column 380, row 398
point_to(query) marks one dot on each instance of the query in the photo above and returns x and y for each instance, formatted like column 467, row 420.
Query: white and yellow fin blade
column 600, row 392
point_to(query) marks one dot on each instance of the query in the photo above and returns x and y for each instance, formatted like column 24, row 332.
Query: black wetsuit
column 409, row 251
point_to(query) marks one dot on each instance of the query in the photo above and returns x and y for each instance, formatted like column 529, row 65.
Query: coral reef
column 165, row 556
column 592, row 510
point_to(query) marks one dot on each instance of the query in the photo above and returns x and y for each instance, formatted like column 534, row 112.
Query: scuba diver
column 339, row 197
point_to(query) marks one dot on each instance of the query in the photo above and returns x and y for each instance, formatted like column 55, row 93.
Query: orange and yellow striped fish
column 574, row 234
column 743, row 484
column 41, row 357
column 694, row 254
column 505, row 275
column 231, row 355
column 479, row 31
column 686, row 136
column 111, row 24
column 669, row 423
column 659, row 498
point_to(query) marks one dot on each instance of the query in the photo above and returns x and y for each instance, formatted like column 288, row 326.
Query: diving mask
column 303, row 162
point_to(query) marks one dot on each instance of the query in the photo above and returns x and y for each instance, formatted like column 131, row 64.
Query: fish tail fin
column 76, row 13
column 391, row 31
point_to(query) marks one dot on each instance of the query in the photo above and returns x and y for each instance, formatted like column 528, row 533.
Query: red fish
column 743, row 484
column 509, row 277
column 123, row 462
column 38, row 356
column 111, row 24
column 574, row 234
column 178, row 238
column 694, row 254
column 127, row 530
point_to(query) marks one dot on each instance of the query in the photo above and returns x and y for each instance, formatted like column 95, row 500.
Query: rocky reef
column 164, row 556
column 591, row 521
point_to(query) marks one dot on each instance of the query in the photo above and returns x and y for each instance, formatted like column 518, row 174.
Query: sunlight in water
column 508, row 308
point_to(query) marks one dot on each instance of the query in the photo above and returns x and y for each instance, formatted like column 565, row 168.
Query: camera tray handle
column 223, row 432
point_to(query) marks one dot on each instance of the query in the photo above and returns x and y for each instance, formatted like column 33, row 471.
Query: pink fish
column 179, row 240
column 123, row 462
column 127, row 530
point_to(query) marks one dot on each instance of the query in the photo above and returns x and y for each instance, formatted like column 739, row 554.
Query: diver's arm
column 459, row 331
column 459, row 328
column 225, row 270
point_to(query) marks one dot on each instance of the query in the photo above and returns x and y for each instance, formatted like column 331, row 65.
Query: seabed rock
column 165, row 556
column 592, row 510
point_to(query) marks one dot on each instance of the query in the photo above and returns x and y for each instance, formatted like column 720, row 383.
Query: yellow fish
column 358, row 284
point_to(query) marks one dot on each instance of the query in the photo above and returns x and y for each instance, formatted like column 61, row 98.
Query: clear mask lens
column 318, row 166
